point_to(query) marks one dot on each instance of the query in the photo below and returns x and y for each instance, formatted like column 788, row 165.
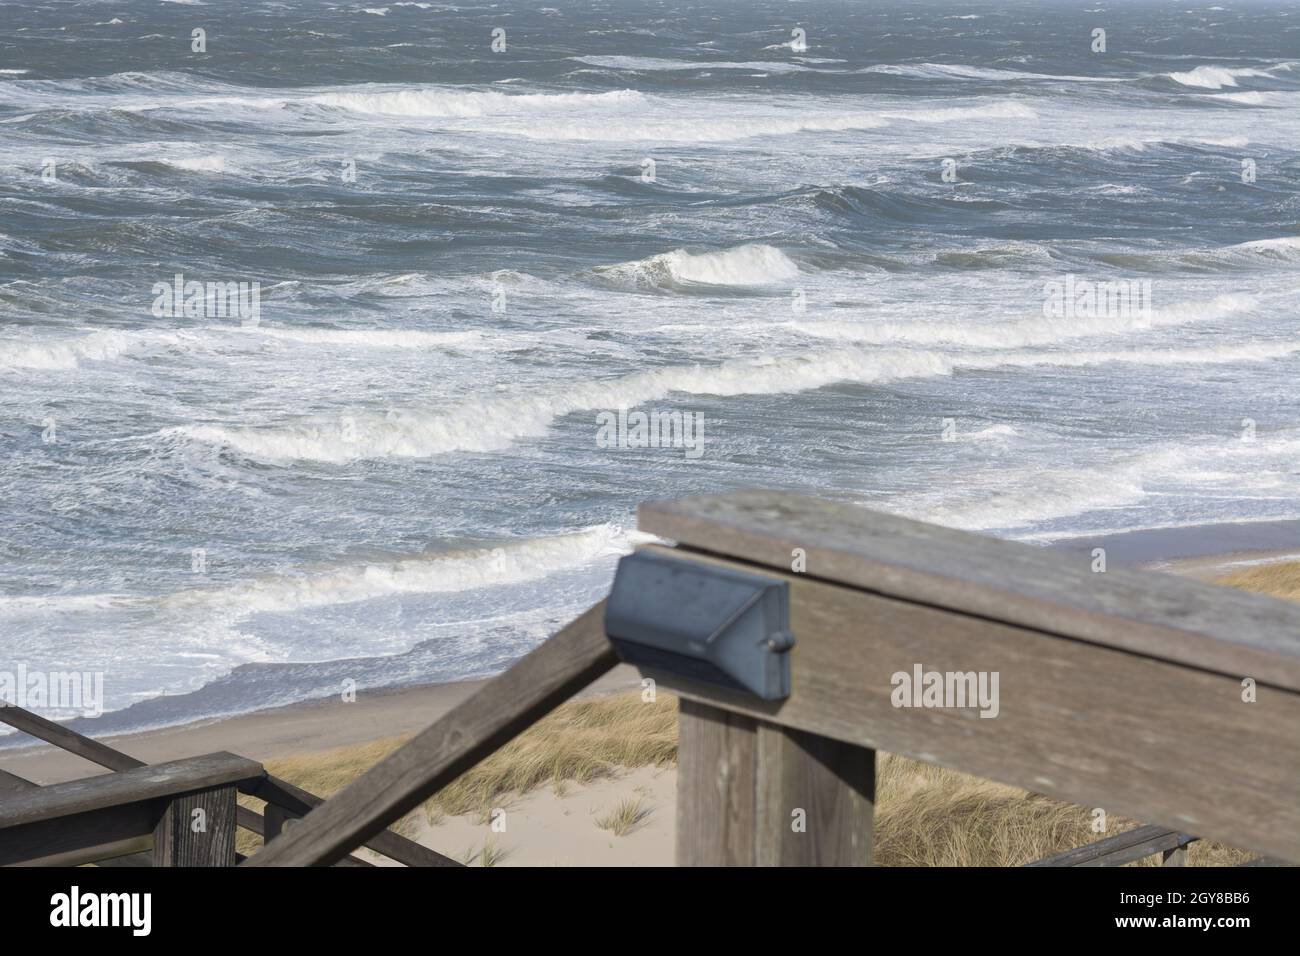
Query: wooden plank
column 197, row 829
column 299, row 802
column 717, row 799
column 274, row 820
column 66, row 739
column 12, row 783
column 128, row 787
column 753, row 793
column 1159, row 615
column 390, row 844
column 93, row 835
column 500, row 709
column 131, row 859
column 1121, row 848
column 816, row 800
column 1082, row 722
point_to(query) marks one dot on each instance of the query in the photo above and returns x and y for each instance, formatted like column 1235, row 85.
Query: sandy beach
column 557, row 825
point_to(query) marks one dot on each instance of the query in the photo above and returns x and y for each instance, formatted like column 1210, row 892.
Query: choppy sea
column 836, row 236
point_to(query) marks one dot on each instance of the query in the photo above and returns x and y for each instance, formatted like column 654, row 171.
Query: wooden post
column 275, row 819
column 753, row 793
column 1175, row 857
column 197, row 829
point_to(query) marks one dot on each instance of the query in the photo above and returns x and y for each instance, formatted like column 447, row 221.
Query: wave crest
column 753, row 264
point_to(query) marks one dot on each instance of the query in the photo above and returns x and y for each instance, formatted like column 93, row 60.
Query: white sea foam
column 1002, row 110
column 199, row 164
column 71, row 351
column 1214, row 77
column 963, row 72
column 222, row 607
column 1001, row 498
column 656, row 64
column 1286, row 248
column 1251, row 98
column 1025, row 332
column 379, row 338
column 719, row 121
column 445, row 102
column 455, row 571
column 748, row 265
column 494, row 423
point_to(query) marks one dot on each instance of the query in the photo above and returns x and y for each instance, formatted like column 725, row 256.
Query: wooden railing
column 284, row 802
column 1150, row 696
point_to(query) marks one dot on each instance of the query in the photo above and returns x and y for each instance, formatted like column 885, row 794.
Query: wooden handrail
column 1122, row 848
column 112, row 815
column 12, row 783
column 500, row 709
column 1156, row 663
column 129, row 786
column 1157, row 615
column 268, row 788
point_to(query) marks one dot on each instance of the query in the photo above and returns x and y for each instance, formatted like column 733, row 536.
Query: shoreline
column 1202, row 552
column 305, row 727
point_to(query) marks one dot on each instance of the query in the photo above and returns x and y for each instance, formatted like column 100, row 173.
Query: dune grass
column 625, row 817
column 1281, row 580
column 925, row 815
column 578, row 742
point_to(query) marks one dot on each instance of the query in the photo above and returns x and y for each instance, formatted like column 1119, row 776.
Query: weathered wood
column 197, row 829
column 717, row 801
column 298, row 802
column 273, row 819
column 390, row 844
column 87, row 747
column 143, row 784
column 753, row 793
column 1122, row 848
column 106, row 816
column 11, row 782
column 272, row 823
column 1175, row 857
column 504, row 706
column 1157, row 615
column 1081, row 722
column 816, row 800
column 86, row 837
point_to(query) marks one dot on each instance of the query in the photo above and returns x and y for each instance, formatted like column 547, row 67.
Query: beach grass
column 1280, row 580
column 625, row 817
column 926, row 815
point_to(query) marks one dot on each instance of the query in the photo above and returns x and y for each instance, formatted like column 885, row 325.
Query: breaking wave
column 492, row 424
column 753, row 264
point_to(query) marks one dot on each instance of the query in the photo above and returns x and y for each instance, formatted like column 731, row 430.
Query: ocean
column 339, row 343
